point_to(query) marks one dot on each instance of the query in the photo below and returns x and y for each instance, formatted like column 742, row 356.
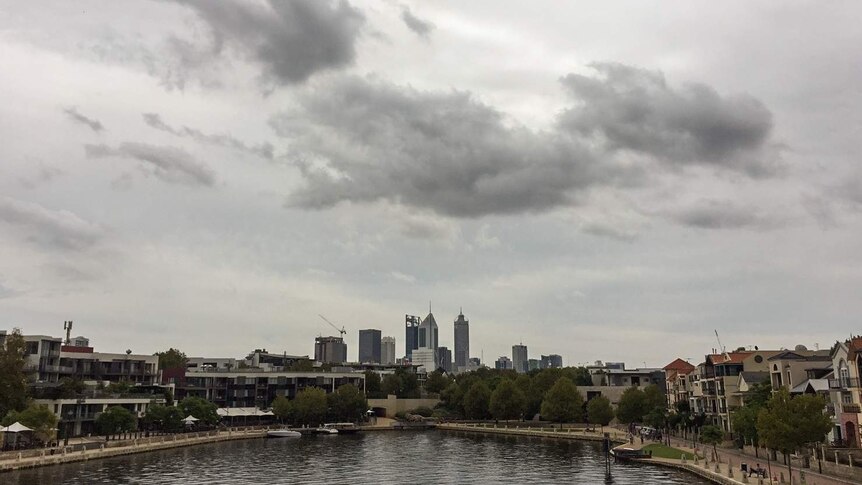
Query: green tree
column 653, row 398
column 436, row 382
column 172, row 359
column 165, row 418
column 580, row 376
column 788, row 423
column 282, row 408
column 116, row 419
column 711, row 435
column 347, row 403
column 310, row 405
column 70, row 388
column 391, row 385
column 563, row 402
column 120, row 387
column 301, row 365
column 477, row 400
column 507, row 401
column 599, row 411
column 744, row 421
column 372, row 384
column 630, row 409
column 657, row 418
column 36, row 417
column 13, row 381
column 200, row 408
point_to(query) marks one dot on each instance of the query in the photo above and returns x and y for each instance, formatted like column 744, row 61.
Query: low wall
column 393, row 405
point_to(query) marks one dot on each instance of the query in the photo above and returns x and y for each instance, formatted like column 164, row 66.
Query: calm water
column 382, row 457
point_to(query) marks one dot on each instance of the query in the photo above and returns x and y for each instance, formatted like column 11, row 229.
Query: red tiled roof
column 729, row 358
column 679, row 365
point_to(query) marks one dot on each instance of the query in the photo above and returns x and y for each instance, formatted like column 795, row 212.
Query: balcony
column 844, row 383
column 851, row 408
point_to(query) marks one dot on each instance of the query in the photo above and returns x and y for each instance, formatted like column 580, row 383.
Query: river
column 421, row 457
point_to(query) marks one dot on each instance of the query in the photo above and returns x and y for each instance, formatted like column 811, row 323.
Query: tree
column 301, row 365
column 476, row 401
column 653, row 398
column 13, row 381
column 116, row 419
column 310, row 405
column 282, row 408
column 172, row 359
column 788, row 423
column 372, row 384
column 507, row 401
column 165, row 418
column 599, row 411
column 630, row 409
column 711, row 435
column 36, row 417
column 580, row 376
column 436, row 382
column 563, row 402
column 402, row 383
column 391, row 385
column 200, row 408
column 347, row 403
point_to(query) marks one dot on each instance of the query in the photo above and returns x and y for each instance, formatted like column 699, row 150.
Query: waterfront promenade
column 54, row 456
column 726, row 471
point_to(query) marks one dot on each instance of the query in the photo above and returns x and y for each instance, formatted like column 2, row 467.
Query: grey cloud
column 264, row 150
column 626, row 108
column 74, row 115
column 291, row 40
column 44, row 174
column 55, row 229
column 363, row 141
column 713, row 214
column 421, row 27
column 166, row 163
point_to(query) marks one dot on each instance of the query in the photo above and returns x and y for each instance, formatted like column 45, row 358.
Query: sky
column 601, row 180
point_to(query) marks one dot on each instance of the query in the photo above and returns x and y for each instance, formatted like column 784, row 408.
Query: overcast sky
column 600, row 180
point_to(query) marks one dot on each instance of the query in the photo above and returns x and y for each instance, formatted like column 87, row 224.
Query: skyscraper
column 369, row 346
column 519, row 358
column 552, row 361
column 330, row 350
column 503, row 363
column 411, row 335
column 426, row 353
column 444, row 359
column 387, row 350
column 462, row 342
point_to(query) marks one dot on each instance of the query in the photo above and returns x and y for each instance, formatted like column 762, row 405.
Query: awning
column 15, row 428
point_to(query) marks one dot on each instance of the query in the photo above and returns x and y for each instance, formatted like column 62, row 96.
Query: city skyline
column 622, row 178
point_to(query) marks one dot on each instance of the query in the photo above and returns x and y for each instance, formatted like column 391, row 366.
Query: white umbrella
column 190, row 419
column 16, row 428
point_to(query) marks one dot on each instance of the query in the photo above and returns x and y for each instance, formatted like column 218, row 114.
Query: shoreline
column 143, row 445
column 617, row 438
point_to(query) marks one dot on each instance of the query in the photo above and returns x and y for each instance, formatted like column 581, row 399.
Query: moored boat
column 326, row 429
column 283, row 433
column 343, row 428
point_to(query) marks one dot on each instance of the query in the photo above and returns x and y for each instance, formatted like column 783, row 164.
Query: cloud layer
column 77, row 117
column 170, row 164
column 155, row 121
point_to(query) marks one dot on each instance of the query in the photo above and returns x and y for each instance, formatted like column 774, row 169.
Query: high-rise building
column 426, row 353
column 369, row 346
column 330, row 350
column 444, row 359
column 519, row 358
column 387, row 350
column 411, row 335
column 503, row 363
column 534, row 364
column 462, row 342
column 552, row 361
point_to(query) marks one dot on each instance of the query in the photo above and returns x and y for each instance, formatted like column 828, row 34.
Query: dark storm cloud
column 167, row 163
column 77, row 117
column 262, row 150
column 292, row 40
column 362, row 141
column 626, row 108
column 421, row 27
column 713, row 214
column 54, row 229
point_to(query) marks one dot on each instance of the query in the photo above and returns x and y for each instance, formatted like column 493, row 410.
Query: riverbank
column 44, row 457
column 716, row 473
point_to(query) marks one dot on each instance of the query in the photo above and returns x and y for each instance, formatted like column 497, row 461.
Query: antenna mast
column 67, row 326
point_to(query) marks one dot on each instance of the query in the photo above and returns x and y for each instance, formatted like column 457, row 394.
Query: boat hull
column 283, row 433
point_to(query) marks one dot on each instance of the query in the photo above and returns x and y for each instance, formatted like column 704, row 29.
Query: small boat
column 283, row 433
column 343, row 428
column 326, row 429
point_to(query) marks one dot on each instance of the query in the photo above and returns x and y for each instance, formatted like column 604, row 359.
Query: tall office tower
column 552, row 361
column 444, row 359
column 426, row 354
column 462, row 342
column 387, row 350
column 411, row 335
column 369, row 346
column 519, row 358
column 330, row 350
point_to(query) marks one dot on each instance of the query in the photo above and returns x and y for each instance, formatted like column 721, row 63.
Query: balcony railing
column 844, row 383
column 851, row 408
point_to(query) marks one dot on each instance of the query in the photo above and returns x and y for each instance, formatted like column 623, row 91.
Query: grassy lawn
column 661, row 451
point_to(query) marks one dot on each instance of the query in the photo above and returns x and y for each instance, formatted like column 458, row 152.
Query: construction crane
column 343, row 332
column 720, row 347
